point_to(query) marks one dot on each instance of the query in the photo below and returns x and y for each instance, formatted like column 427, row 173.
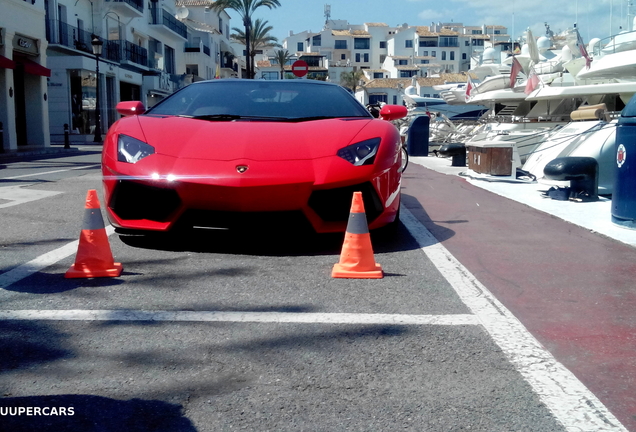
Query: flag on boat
column 533, row 49
column 469, row 89
column 514, row 71
column 582, row 49
column 533, row 82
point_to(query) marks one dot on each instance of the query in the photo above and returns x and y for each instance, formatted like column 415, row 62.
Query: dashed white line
column 565, row 396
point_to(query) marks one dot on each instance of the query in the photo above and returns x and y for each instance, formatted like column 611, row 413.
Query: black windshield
column 284, row 100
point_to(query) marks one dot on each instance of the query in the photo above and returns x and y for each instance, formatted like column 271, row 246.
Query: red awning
column 6, row 63
column 32, row 67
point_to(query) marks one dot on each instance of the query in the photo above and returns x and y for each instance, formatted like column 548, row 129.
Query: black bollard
column 67, row 145
column 455, row 150
column 581, row 171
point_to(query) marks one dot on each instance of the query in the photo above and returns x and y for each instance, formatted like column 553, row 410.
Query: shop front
column 73, row 87
column 23, row 93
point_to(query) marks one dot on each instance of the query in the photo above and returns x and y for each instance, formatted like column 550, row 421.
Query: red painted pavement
column 574, row 290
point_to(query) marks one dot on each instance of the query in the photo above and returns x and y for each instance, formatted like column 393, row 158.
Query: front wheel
column 405, row 158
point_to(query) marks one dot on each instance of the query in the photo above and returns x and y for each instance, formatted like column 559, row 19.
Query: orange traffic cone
column 356, row 258
column 94, row 257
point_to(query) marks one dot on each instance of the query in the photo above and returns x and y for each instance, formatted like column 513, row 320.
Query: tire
column 405, row 158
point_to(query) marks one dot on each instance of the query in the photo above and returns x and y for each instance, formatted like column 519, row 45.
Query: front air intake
column 132, row 201
column 334, row 205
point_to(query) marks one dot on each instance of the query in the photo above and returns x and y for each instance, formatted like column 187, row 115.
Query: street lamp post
column 97, row 50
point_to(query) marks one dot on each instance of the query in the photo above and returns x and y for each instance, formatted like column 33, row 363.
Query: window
column 169, row 52
column 221, row 25
column 466, row 43
column 424, row 61
column 408, row 43
column 313, row 61
column 497, row 31
column 406, row 74
column 452, row 55
column 382, row 58
column 343, row 57
column 464, row 56
column 361, row 43
column 403, row 62
column 316, row 40
column 433, row 53
column 382, row 44
column 377, row 98
column 192, row 69
column 478, row 42
column 377, row 75
column 366, row 57
column 357, row 57
column 448, row 41
column 477, row 32
column 443, row 55
column 425, row 53
column 300, row 47
column 340, row 44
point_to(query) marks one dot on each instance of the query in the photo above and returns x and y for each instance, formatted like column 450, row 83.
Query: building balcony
column 131, row 53
column 194, row 48
column 127, row 8
column 164, row 21
column 62, row 34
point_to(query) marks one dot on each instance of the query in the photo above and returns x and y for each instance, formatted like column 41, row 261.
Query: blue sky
column 595, row 18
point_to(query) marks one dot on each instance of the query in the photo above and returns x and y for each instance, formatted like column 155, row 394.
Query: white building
column 24, row 96
column 400, row 52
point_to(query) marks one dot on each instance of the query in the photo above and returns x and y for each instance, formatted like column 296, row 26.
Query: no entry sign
column 300, row 68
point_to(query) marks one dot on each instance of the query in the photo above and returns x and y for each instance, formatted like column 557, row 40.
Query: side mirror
column 393, row 112
column 130, row 108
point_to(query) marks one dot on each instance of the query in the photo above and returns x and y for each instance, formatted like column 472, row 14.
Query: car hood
column 252, row 140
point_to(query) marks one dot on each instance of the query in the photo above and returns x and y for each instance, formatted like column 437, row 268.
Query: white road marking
column 49, row 172
column 16, row 195
column 260, row 317
column 565, row 396
column 35, row 265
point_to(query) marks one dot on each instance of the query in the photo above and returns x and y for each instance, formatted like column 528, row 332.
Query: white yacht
column 438, row 107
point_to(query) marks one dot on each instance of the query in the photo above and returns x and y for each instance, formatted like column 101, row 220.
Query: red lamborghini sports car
column 228, row 153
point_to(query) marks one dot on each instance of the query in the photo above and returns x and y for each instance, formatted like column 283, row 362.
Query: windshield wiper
column 312, row 118
column 232, row 117
column 219, row 117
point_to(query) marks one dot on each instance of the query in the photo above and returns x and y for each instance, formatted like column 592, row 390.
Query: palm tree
column 281, row 58
column 245, row 9
column 351, row 79
column 259, row 38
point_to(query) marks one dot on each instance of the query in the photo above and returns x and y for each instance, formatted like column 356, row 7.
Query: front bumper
column 268, row 194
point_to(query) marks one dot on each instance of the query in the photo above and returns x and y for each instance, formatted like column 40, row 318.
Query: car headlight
column 132, row 150
column 362, row 153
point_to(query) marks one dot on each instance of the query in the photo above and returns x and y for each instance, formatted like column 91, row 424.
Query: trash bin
column 417, row 139
column 624, row 195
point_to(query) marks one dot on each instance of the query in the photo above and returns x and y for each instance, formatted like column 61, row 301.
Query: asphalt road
column 220, row 331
